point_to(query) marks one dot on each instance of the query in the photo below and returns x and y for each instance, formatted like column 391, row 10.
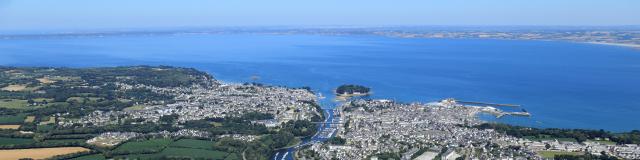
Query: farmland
column 184, row 152
column 139, row 146
column 45, row 80
column 192, row 143
column 91, row 157
column 39, row 153
column 30, row 119
column 13, row 103
column 24, row 104
column 12, row 119
column 49, row 121
column 13, row 141
column 11, row 126
column 551, row 154
column 158, row 148
column 14, row 88
column 135, row 107
column 65, row 140
column 44, row 128
column 190, row 152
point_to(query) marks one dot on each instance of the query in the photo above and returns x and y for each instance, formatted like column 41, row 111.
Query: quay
column 487, row 104
column 499, row 113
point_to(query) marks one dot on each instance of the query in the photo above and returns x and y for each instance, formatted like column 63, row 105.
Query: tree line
column 580, row 135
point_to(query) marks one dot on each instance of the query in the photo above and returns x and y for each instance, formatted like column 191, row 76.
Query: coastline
column 635, row 46
column 232, row 73
column 346, row 96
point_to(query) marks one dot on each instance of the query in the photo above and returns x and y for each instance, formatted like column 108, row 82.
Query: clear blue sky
column 97, row 14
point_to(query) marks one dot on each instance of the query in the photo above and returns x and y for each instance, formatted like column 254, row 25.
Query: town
column 108, row 114
column 222, row 100
column 442, row 130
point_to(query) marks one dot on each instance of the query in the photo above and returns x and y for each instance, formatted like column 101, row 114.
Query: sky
column 16, row 15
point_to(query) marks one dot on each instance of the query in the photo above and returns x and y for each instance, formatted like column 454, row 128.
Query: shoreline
column 635, row 46
column 345, row 97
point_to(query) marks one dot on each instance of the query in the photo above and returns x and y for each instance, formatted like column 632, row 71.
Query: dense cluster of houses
column 196, row 103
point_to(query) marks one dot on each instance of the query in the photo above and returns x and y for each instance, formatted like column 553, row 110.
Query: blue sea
column 563, row 84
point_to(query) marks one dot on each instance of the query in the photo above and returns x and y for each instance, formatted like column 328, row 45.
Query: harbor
column 487, row 104
column 488, row 107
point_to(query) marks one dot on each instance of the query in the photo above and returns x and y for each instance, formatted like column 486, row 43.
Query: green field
column 135, row 107
column 91, row 157
column 192, row 143
column 190, row 152
column 216, row 124
column 44, row 128
column 137, row 146
column 47, row 120
column 551, row 154
column 14, row 104
column 17, row 119
column 65, row 140
column 9, row 141
column 80, row 99
column 43, row 99
column 191, row 148
column 183, row 152
column 22, row 104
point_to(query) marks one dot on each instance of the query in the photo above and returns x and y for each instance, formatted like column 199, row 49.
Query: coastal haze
column 80, row 15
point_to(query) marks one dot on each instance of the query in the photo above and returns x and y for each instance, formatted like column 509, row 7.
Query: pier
column 499, row 113
column 488, row 104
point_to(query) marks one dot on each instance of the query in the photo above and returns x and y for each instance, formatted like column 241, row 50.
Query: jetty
column 487, row 104
column 499, row 113
column 524, row 114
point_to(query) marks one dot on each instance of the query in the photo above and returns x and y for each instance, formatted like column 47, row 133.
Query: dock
column 489, row 104
column 524, row 114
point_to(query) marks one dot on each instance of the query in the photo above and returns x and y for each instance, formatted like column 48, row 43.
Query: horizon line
column 289, row 27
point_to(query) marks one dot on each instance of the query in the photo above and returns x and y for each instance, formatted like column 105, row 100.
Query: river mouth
column 325, row 131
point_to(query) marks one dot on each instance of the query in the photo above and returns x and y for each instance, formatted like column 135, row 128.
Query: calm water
column 562, row 84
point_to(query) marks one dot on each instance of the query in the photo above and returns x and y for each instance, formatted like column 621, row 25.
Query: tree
column 60, row 98
column 351, row 89
column 302, row 128
column 169, row 119
column 337, row 141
